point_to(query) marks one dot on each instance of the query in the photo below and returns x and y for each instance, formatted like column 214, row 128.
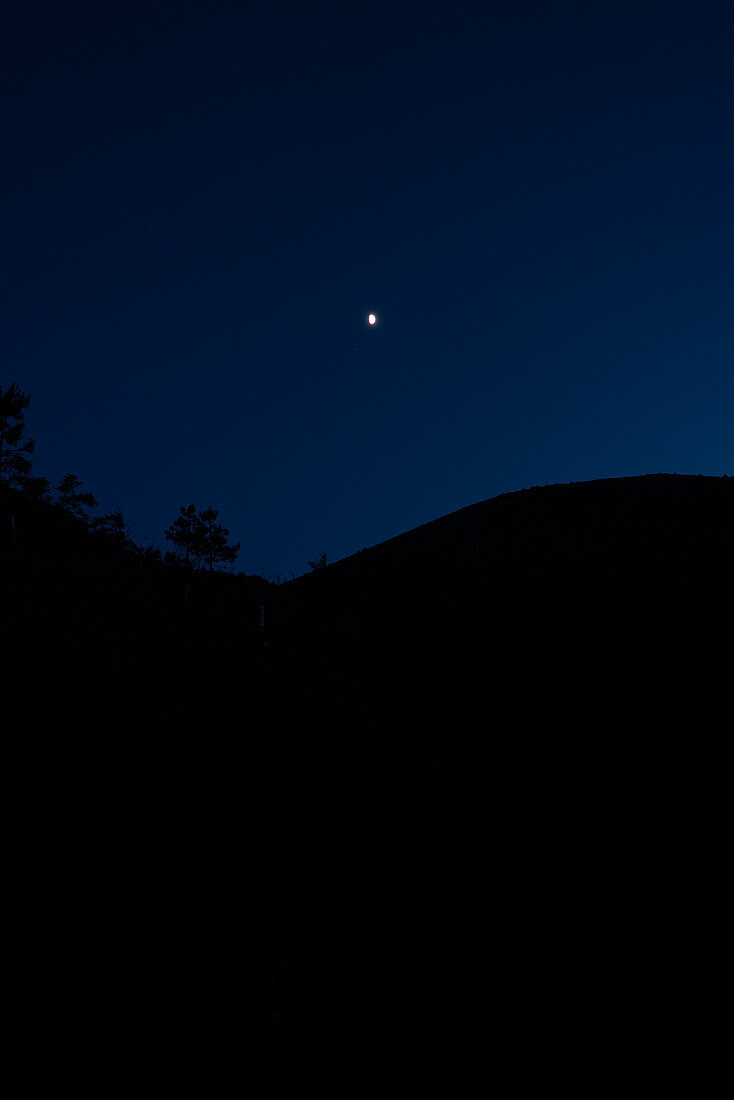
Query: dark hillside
column 578, row 592
column 470, row 776
column 530, row 547
column 544, row 682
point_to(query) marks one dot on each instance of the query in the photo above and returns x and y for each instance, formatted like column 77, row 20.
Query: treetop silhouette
column 15, row 465
column 113, row 526
column 184, row 533
column 214, row 539
column 199, row 538
column 73, row 499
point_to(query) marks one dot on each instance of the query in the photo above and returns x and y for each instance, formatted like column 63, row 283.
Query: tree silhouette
column 15, row 466
column 113, row 526
column 72, row 499
column 186, row 535
column 214, row 539
column 320, row 562
column 199, row 537
column 36, row 487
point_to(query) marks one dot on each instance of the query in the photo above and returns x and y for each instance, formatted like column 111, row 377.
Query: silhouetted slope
column 628, row 562
column 485, row 757
column 538, row 686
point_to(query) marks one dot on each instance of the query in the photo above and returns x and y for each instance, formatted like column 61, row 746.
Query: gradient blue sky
column 201, row 202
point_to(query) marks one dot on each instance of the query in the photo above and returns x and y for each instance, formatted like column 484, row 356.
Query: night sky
column 202, row 202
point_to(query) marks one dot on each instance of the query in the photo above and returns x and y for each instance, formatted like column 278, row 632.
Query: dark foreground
column 507, row 828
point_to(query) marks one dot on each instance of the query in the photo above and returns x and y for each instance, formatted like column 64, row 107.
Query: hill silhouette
column 436, row 755
column 542, row 683
column 597, row 587
column 542, row 541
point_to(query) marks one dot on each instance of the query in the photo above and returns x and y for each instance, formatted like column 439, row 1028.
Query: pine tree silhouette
column 113, row 526
column 214, row 539
column 72, row 499
column 15, row 466
column 185, row 534
column 197, row 536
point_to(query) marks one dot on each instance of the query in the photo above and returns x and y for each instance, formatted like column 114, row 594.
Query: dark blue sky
column 201, row 202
